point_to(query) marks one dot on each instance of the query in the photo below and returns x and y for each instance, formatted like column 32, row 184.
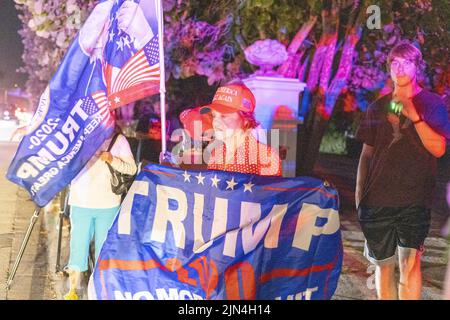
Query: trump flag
column 114, row 60
column 220, row 235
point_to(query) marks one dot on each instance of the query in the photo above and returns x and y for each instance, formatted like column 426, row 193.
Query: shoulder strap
column 113, row 141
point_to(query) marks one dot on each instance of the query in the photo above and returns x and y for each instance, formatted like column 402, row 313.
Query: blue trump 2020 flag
column 114, row 60
column 221, row 235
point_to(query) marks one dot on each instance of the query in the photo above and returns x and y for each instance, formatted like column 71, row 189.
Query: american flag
column 98, row 104
column 117, row 72
column 142, row 68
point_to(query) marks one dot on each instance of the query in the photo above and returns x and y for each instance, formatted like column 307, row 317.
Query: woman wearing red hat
column 233, row 120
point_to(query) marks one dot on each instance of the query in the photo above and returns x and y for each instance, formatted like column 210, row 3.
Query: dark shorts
column 386, row 228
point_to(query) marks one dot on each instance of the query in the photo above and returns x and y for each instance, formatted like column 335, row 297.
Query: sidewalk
column 31, row 280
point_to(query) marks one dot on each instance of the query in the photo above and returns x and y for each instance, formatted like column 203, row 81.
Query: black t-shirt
column 402, row 172
column 150, row 125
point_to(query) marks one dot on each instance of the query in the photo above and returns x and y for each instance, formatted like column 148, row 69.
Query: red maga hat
column 231, row 98
column 196, row 123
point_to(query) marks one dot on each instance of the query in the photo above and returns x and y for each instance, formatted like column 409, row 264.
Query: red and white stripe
column 137, row 70
column 101, row 100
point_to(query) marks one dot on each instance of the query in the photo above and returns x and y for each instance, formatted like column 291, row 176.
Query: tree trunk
column 330, row 29
column 290, row 67
column 302, row 70
column 326, row 97
column 310, row 136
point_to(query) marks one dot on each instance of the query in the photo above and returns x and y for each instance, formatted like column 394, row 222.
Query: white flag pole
column 162, row 81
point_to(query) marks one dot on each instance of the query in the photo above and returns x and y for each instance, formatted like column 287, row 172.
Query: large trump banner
column 221, row 235
column 114, row 60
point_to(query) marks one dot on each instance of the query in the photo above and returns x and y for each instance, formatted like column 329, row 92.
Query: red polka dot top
column 252, row 157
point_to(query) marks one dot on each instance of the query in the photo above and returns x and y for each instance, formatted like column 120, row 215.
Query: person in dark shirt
column 403, row 134
column 148, row 131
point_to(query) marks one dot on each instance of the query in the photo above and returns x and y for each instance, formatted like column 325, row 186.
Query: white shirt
column 91, row 188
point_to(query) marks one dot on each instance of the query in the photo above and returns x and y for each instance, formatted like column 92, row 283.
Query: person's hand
column 19, row 133
column 192, row 156
column 131, row 20
column 106, row 156
column 404, row 96
column 409, row 111
column 167, row 158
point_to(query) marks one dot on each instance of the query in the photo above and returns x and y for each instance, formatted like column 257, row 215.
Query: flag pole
column 63, row 209
column 162, row 83
column 33, row 220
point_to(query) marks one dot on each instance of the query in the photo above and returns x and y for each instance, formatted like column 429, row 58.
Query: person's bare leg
column 74, row 279
column 410, row 286
column 385, row 282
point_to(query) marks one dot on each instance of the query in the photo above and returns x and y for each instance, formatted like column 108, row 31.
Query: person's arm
column 431, row 140
column 19, row 133
column 124, row 165
column 121, row 158
column 273, row 167
column 363, row 168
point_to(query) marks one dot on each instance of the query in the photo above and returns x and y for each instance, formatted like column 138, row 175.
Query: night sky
column 11, row 47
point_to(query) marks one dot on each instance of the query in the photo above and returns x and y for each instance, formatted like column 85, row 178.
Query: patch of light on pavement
column 7, row 128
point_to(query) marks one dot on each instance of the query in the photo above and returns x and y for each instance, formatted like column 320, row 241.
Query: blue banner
column 221, row 235
column 113, row 61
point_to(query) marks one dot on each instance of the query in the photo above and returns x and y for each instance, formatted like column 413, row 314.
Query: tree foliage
column 204, row 40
